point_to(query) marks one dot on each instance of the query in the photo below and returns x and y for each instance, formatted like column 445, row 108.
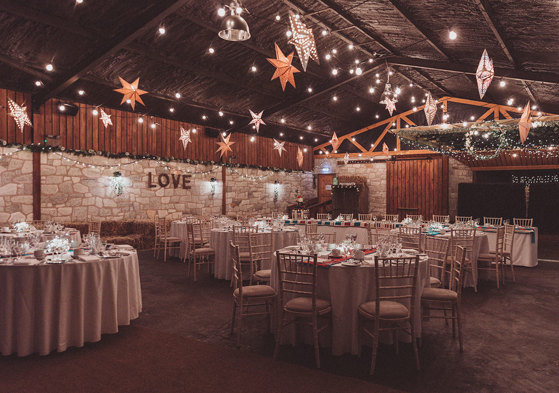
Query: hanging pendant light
column 234, row 27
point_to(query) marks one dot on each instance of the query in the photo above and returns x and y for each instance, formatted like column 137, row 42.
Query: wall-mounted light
column 213, row 183
column 276, row 190
column 117, row 183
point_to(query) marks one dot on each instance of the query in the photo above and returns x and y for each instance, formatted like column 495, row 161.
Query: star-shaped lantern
column 335, row 142
column 303, row 40
column 279, row 146
column 525, row 123
column 256, row 120
column 131, row 92
column 299, row 157
column 390, row 104
column 224, row 146
column 106, row 119
column 19, row 113
column 346, row 158
column 284, row 69
column 484, row 73
column 430, row 109
column 185, row 137
column 385, row 148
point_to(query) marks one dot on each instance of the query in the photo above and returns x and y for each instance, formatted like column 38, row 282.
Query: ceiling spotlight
column 234, row 27
column 194, row 130
column 204, row 117
column 79, row 1
column 411, row 84
column 309, row 127
column 371, row 90
column 278, row 17
column 353, row 138
column 519, row 108
column 211, row 50
column 309, row 89
column 220, row 113
column 398, row 90
column 376, row 116
column 534, row 107
column 49, row 67
column 324, row 32
column 178, row 95
column 464, row 124
column 38, row 83
column 415, row 108
column 81, row 92
column 172, row 110
column 320, row 152
column 328, row 56
column 301, row 137
column 452, row 35
column 224, row 133
column 253, row 69
column 162, row 30
column 350, row 47
column 231, row 122
column 412, row 99
column 390, row 73
column 370, row 60
column 334, row 71
column 305, row 150
column 539, row 113
column 502, row 83
column 358, row 109
column 356, row 61
column 351, row 71
column 316, row 139
column 221, row 12
column 335, row 98
column 514, row 155
column 282, row 120
column 472, row 118
column 378, row 81
column 334, row 51
column 95, row 112
column 152, row 125
column 140, row 120
column 281, row 133
column 358, row 71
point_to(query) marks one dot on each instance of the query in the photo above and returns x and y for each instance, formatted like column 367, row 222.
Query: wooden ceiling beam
column 151, row 20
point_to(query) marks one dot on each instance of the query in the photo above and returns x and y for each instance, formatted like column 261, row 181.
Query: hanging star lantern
column 346, row 158
column 185, row 137
column 484, row 73
column 224, row 146
column 390, row 104
column 303, row 40
column 106, row 119
column 130, row 92
column 430, row 109
column 525, row 123
column 256, row 120
column 279, row 146
column 19, row 113
column 284, row 69
column 299, row 157
column 385, row 148
column 335, row 142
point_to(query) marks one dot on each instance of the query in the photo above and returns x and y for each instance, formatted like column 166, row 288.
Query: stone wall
column 16, row 189
column 374, row 172
column 74, row 191
column 457, row 173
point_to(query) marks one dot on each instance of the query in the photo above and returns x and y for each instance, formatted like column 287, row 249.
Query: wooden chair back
column 391, row 217
column 311, row 227
column 322, row 216
column 463, row 218
column 260, row 246
column 523, row 222
column 499, row 242
column 237, row 270
column 497, row 221
column 508, row 244
column 415, row 217
column 396, row 280
column 410, row 237
column 464, row 238
column 346, row 217
column 365, row 217
column 94, row 227
column 457, row 272
column 437, row 248
column 198, row 233
column 441, row 218
column 297, row 276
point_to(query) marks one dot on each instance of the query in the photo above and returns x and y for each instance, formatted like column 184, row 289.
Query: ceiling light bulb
column 278, row 17
column 172, row 110
column 178, row 95
column 324, row 32
column 301, row 137
column 371, row 90
column 398, row 90
column 220, row 113
column 464, row 124
column 358, row 71
column 141, row 120
column 356, row 61
column 288, row 33
column 411, row 84
column 370, row 60
column 253, row 69
column 211, row 50
column 194, row 130
column 128, row 101
column 376, row 116
column 204, row 117
column 378, row 81
column 358, row 108
column 305, row 150
column 162, row 30
column 316, row 139
column 152, row 125
column 502, row 83
column 282, row 120
column 231, row 122
column 334, row 51
column 519, row 108
column 49, row 67
column 472, row 117
column 281, row 133
column 334, row 71
column 350, row 46
column 239, row 10
column 415, row 109
column 514, row 155
column 328, row 56
column 221, row 12
column 309, row 89
column 452, row 35
column 95, row 112
column 81, row 92
column 79, row 1
column 412, row 99
column 390, row 73
column 252, row 138
column 534, row 107
column 38, row 83
column 351, row 71
column 510, row 101
column 224, row 133
column 309, row 127
column 61, row 108
column 335, row 98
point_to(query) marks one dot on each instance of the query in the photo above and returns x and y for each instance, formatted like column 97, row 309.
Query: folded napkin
column 88, row 258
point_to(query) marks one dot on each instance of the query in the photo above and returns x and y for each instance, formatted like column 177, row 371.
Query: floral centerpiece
column 22, row 227
column 407, row 221
column 436, row 227
column 299, row 199
column 59, row 248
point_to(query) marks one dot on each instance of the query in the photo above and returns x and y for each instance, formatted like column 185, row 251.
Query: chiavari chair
column 260, row 250
column 298, row 278
column 441, row 218
column 347, row 216
column 494, row 261
column 463, row 218
column 436, row 249
column 523, row 222
column 392, row 309
column 199, row 251
column 322, row 216
column 410, row 237
column 94, row 227
column 466, row 239
column 365, row 217
column 391, row 217
column 247, row 297
column 163, row 241
column 311, row 227
column 329, row 238
column 415, row 217
column 495, row 221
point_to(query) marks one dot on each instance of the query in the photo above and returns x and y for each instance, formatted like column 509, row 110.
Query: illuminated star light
column 279, row 146
column 284, row 69
column 256, row 120
column 303, row 40
column 484, row 73
column 300, row 157
column 185, row 137
column 390, row 105
column 130, row 92
column 224, row 146
column 19, row 113
column 106, row 119
column 335, row 142
column 430, row 109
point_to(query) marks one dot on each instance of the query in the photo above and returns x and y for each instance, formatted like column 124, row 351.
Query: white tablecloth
column 346, row 288
column 219, row 241
column 45, row 308
column 524, row 253
column 74, row 235
column 342, row 231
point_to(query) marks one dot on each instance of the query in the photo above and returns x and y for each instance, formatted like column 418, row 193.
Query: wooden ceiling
column 92, row 43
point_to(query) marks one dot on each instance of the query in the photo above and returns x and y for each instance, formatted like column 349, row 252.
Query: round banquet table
column 51, row 307
column 525, row 248
column 346, row 288
column 342, row 231
column 74, row 235
column 219, row 241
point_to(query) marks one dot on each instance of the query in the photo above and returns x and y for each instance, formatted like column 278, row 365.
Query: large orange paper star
column 284, row 69
column 131, row 92
column 224, row 146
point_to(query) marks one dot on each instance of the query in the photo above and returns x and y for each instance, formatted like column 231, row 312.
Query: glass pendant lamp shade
column 234, row 28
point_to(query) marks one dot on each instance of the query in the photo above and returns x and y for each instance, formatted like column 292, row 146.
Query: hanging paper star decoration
column 390, row 105
column 131, row 92
column 224, row 146
column 346, row 158
column 19, row 113
column 106, row 119
column 525, row 123
column 430, row 109
column 299, row 157
column 303, row 40
column 279, row 146
column 385, row 149
column 390, row 98
column 484, row 73
column 284, row 69
column 256, row 120
column 185, row 137
column 335, row 142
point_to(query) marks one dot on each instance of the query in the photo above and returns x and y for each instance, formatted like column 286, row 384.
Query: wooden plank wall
column 86, row 131
column 421, row 183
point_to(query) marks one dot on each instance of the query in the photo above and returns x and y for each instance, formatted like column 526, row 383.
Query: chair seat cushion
column 387, row 309
column 170, row 239
column 492, row 253
column 434, row 282
column 439, row 294
column 263, row 274
column 245, row 255
column 304, row 304
column 204, row 250
column 256, row 291
column 486, row 257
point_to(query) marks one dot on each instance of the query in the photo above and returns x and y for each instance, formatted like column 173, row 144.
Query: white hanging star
column 185, row 137
column 279, row 146
column 106, row 119
column 303, row 40
column 346, row 158
column 430, row 109
column 300, row 157
column 390, row 105
column 19, row 113
column 256, row 120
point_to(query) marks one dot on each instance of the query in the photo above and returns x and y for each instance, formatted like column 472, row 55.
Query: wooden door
column 325, row 187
